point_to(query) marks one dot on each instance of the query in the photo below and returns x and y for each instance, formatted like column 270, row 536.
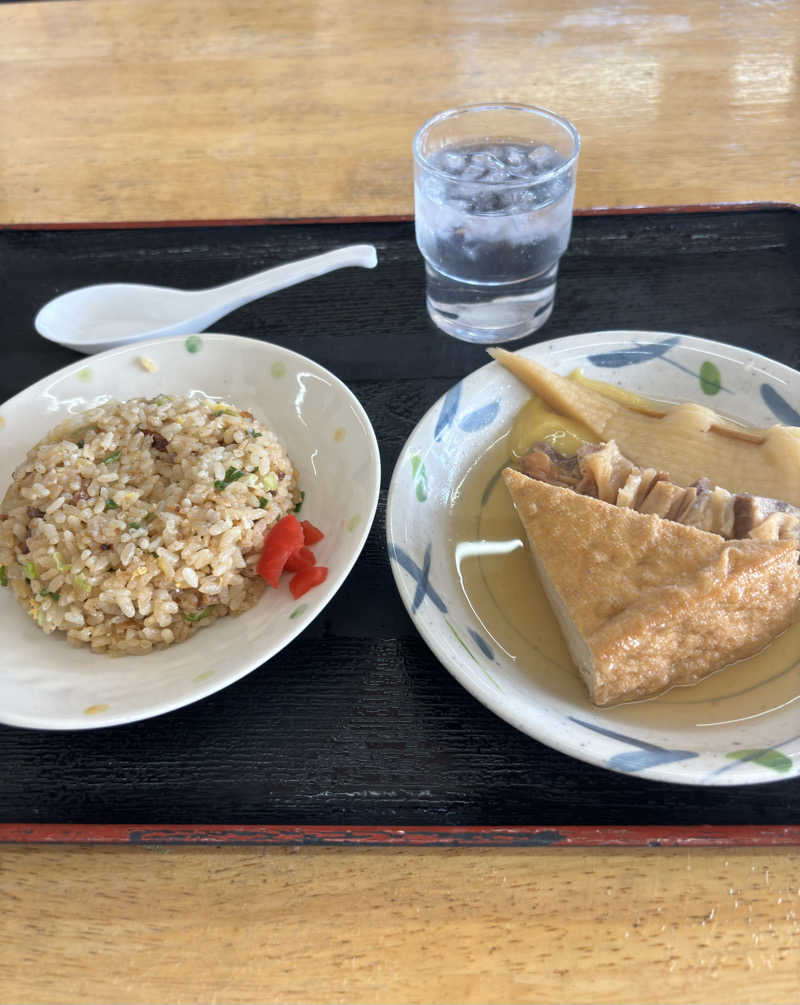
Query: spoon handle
column 242, row 291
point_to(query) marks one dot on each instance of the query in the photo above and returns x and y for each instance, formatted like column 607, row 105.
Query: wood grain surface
column 143, row 110
column 373, row 925
column 196, row 109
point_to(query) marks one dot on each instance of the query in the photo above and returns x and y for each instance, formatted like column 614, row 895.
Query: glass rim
column 536, row 110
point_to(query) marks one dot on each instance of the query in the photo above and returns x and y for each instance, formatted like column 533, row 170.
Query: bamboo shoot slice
column 688, row 441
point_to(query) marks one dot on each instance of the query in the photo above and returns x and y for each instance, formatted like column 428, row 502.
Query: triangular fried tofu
column 646, row 603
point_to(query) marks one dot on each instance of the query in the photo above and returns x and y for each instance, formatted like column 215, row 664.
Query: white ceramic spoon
column 95, row 318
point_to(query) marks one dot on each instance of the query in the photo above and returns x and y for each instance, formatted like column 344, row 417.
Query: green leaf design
column 193, row 344
column 420, row 476
column 710, row 379
column 766, row 758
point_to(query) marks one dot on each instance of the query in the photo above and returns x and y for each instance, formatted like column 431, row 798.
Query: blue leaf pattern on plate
column 448, row 413
column 639, row 760
column 641, row 352
column 480, row 418
column 419, row 575
column 466, row 649
column 481, row 643
column 638, row 353
column 646, row 756
column 779, row 406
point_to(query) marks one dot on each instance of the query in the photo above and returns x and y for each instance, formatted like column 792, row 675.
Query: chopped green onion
column 61, row 565
column 297, row 507
column 254, row 434
column 110, row 504
column 220, row 408
column 200, row 614
column 29, row 569
column 81, row 434
column 262, row 502
column 3, row 576
column 134, row 525
column 112, row 457
column 82, row 583
column 231, row 475
column 49, row 593
column 270, row 482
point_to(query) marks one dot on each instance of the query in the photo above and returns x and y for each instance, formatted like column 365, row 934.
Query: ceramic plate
column 48, row 684
column 738, row 727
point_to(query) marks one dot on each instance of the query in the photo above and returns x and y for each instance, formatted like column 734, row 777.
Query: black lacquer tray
column 354, row 732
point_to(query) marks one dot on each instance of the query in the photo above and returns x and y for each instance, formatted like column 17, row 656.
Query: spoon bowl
column 95, row 318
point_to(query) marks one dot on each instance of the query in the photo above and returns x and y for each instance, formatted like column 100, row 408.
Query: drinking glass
column 494, row 187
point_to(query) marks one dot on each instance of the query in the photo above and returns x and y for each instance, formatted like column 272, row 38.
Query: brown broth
column 488, row 548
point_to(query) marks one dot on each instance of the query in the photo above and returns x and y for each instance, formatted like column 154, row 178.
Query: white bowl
column 729, row 730
column 46, row 683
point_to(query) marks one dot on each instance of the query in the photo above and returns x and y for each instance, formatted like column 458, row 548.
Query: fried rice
column 134, row 525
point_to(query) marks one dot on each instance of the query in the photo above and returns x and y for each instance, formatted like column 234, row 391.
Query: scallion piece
column 231, row 475
column 200, row 614
column 113, row 457
column 61, row 565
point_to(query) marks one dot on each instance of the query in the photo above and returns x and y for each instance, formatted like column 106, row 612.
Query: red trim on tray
column 498, row 837
column 716, row 207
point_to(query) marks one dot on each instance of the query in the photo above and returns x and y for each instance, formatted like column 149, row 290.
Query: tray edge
column 722, row 836
column 716, row 207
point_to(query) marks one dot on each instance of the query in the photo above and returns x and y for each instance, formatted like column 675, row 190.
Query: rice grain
column 135, row 524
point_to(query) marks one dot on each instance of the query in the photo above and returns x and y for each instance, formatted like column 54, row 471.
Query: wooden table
column 124, row 110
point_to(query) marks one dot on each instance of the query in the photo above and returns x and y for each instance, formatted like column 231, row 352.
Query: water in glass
column 492, row 220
